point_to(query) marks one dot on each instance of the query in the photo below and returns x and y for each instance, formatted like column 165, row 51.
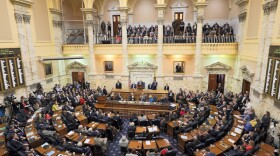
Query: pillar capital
column 199, row 19
column 270, row 6
column 19, row 17
column 241, row 3
column 26, row 18
column 200, row 4
column 242, row 16
column 25, row 3
column 160, row 6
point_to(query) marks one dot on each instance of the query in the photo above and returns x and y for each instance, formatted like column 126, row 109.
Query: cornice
column 55, row 11
column 241, row 3
column 25, row 3
column 88, row 10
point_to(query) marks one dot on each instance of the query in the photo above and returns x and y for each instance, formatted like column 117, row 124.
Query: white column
column 160, row 20
column 89, row 22
column 32, row 56
column 197, row 67
column 57, row 30
column 24, row 49
column 124, row 20
column 200, row 17
column 270, row 10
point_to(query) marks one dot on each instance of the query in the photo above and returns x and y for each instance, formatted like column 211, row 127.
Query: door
column 212, row 82
column 215, row 80
column 78, row 77
column 246, row 86
column 116, row 22
column 178, row 16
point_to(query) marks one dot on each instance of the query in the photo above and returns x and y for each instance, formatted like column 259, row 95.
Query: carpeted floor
column 114, row 149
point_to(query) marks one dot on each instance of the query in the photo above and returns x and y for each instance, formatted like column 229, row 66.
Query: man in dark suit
column 166, row 87
column 104, row 91
column 150, row 86
column 118, row 85
column 171, row 96
column 133, row 86
column 154, row 85
column 141, row 83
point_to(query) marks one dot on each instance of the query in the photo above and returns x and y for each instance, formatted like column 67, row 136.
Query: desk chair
column 171, row 153
column 144, row 123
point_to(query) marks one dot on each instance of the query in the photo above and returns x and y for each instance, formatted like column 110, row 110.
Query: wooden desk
column 171, row 126
column 213, row 149
column 152, row 144
column 162, row 143
column 135, row 144
column 92, row 125
column 42, row 150
column 71, row 135
column 89, row 141
column 182, row 141
column 140, row 129
column 126, row 92
column 82, row 119
column 222, row 145
column 265, row 150
column 267, row 147
column 102, row 126
column 60, row 127
column 79, row 138
column 153, row 129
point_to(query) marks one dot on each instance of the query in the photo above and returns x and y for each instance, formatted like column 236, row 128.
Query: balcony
column 150, row 49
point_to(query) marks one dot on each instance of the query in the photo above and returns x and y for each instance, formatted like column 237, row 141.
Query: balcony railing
column 168, row 49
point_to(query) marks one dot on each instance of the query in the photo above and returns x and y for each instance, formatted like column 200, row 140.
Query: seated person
column 123, row 141
column 131, row 127
column 118, row 97
column 142, row 118
column 81, row 130
column 132, row 152
column 133, row 86
column 131, row 97
column 153, row 152
column 237, row 150
column 93, row 133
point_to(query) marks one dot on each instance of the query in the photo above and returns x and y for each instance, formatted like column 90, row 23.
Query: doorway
column 214, row 80
column 246, row 86
column 116, row 22
column 78, row 77
column 178, row 16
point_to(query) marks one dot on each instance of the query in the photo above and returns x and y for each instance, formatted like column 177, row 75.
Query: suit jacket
column 133, row 86
column 105, row 91
column 166, row 87
column 118, row 85
column 154, row 85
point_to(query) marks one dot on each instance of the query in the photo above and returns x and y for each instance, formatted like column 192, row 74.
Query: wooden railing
column 168, row 49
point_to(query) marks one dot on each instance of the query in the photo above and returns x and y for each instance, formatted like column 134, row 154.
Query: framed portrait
column 48, row 69
column 108, row 66
column 179, row 67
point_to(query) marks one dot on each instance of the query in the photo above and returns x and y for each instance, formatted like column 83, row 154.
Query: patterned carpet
column 113, row 146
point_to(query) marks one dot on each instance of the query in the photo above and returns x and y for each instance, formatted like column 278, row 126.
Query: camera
column 9, row 100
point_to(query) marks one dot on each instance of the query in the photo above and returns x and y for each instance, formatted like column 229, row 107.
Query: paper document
column 154, row 128
column 86, row 141
column 148, row 142
column 238, row 130
column 184, row 137
column 150, row 129
column 230, row 140
column 50, row 153
column 70, row 133
column 233, row 134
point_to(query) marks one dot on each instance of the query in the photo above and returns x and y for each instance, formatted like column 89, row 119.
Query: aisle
column 113, row 146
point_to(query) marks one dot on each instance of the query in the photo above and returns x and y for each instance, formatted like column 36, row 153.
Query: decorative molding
column 76, row 66
column 160, row 20
column 56, row 11
column 218, row 66
column 88, row 10
column 25, row 3
column 246, row 73
column 123, row 22
column 26, row 18
column 19, row 17
column 142, row 65
column 57, row 24
column 179, row 5
column 270, row 7
column 242, row 16
column 241, row 3
column 199, row 19
column 89, row 22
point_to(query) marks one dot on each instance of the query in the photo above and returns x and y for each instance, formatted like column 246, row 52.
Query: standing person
column 105, row 91
column 166, row 87
column 118, row 85
column 123, row 141
column 109, row 29
column 154, row 85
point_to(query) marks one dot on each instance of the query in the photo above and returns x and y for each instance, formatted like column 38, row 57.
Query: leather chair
column 171, row 153
column 144, row 123
column 210, row 141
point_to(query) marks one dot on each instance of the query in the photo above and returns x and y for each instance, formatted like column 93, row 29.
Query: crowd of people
column 72, row 95
column 175, row 33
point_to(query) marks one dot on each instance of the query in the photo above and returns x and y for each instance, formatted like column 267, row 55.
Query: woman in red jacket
column 82, row 100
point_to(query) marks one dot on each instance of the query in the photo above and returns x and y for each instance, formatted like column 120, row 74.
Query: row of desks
column 148, row 144
column 227, row 141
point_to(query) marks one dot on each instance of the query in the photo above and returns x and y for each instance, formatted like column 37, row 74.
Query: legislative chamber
column 139, row 78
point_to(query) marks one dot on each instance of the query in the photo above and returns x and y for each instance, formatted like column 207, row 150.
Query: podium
column 140, row 87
